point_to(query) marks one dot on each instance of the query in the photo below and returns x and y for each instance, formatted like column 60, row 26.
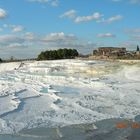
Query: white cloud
column 41, row 1
column 134, row 1
column 15, row 45
column 29, row 36
column 133, row 31
column 21, row 45
column 3, row 13
column 94, row 16
column 69, row 14
column 51, row 2
column 115, row 18
column 106, row 35
column 59, row 37
column 18, row 28
column 116, row 0
column 128, row 1
column 99, row 18
column 111, row 19
column 9, row 38
column 14, row 28
column 55, row 3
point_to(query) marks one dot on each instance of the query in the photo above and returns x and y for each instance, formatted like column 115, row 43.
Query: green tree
column 58, row 54
column 41, row 56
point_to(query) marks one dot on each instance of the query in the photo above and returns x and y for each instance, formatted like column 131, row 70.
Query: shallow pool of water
column 44, row 90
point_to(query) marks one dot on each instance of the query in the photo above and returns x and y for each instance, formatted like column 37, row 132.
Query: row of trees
column 58, row 54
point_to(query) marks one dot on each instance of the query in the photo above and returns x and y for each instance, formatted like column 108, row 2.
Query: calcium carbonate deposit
column 65, row 92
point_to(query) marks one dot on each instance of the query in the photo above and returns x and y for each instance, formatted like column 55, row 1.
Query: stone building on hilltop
column 110, row 51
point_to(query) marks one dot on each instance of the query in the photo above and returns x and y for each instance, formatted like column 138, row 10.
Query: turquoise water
column 44, row 90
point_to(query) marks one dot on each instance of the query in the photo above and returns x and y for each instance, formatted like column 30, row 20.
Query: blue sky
column 30, row 26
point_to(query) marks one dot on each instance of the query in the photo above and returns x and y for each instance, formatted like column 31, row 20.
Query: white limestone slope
column 58, row 93
column 8, row 66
